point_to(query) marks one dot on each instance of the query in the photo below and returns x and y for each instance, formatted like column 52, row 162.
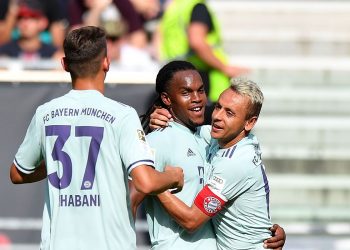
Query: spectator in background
column 30, row 23
column 52, row 9
column 8, row 17
column 89, row 12
column 148, row 9
column 126, row 37
column 189, row 31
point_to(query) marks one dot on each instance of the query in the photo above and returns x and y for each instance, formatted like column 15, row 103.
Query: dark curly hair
column 163, row 81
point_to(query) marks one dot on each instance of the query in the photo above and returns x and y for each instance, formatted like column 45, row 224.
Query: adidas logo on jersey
column 190, row 153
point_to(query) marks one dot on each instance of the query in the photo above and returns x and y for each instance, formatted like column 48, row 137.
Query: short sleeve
column 29, row 153
column 201, row 14
column 158, row 144
column 231, row 181
column 134, row 149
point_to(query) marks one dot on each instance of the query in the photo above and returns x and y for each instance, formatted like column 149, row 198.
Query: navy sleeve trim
column 140, row 162
column 23, row 169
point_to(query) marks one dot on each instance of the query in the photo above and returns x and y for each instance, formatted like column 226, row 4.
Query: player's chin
column 216, row 133
column 196, row 117
column 197, row 121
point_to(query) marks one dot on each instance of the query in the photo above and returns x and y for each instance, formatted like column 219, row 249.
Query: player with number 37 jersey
column 82, row 168
column 86, row 145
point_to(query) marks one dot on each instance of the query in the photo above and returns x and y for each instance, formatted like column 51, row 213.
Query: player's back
column 86, row 148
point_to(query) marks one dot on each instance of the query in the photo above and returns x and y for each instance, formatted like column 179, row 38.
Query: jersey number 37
column 63, row 132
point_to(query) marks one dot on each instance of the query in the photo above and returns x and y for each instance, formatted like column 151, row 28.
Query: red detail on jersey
column 208, row 202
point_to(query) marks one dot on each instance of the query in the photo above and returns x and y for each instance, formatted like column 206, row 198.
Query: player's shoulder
column 51, row 103
column 164, row 133
column 204, row 132
column 121, row 107
column 105, row 103
column 57, row 101
column 248, row 152
column 87, row 99
column 249, row 145
column 243, row 152
column 168, row 137
column 112, row 102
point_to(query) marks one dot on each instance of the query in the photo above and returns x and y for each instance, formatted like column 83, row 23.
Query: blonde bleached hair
column 245, row 87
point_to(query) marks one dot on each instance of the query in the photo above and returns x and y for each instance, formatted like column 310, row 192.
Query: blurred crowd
column 35, row 29
column 139, row 32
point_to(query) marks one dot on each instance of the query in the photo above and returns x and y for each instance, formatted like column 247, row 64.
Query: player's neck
column 88, row 84
column 224, row 143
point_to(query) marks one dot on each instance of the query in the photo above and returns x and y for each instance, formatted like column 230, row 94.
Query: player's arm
column 190, row 218
column 206, row 205
column 278, row 239
column 135, row 198
column 139, row 159
column 147, row 180
column 18, row 177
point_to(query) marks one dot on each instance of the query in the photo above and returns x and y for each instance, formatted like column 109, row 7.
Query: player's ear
column 250, row 123
column 64, row 64
column 106, row 63
column 165, row 98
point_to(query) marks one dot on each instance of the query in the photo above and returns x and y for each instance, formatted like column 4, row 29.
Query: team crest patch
column 212, row 205
column 141, row 135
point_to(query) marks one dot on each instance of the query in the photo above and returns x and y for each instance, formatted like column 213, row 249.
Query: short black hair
column 84, row 49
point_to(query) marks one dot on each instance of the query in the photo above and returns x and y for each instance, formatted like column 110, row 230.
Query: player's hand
column 178, row 176
column 159, row 118
column 278, row 238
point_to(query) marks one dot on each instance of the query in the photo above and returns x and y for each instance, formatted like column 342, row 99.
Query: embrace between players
column 222, row 192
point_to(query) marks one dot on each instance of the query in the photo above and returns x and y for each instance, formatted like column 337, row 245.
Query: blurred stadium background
column 299, row 52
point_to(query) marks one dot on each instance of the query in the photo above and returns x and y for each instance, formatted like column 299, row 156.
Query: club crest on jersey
column 212, row 205
column 141, row 135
